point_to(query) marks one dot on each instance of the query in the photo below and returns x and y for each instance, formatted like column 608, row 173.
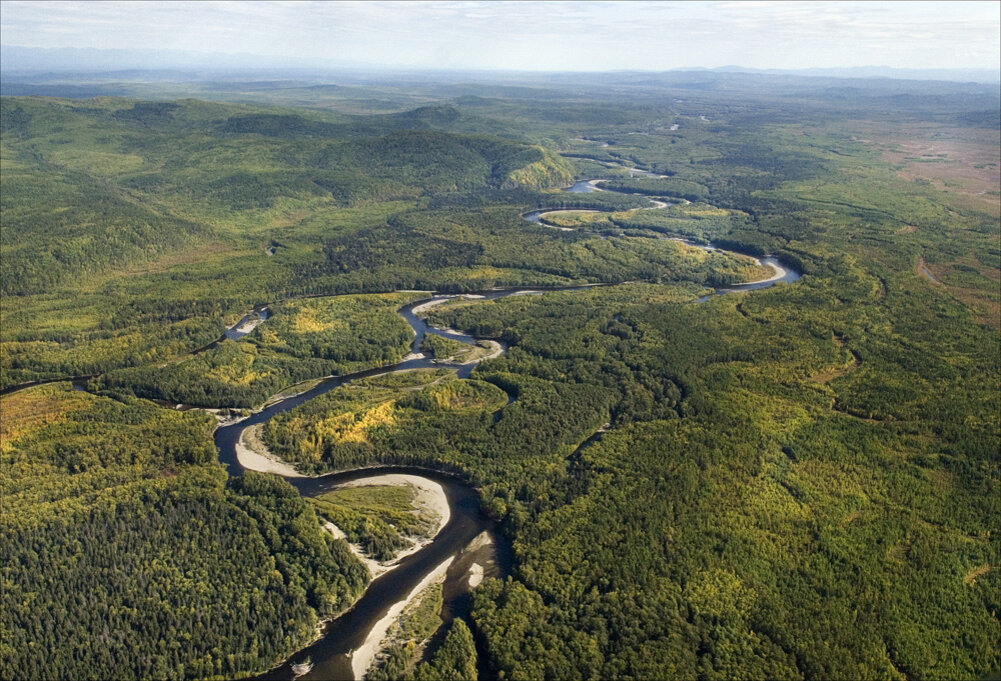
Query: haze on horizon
column 529, row 36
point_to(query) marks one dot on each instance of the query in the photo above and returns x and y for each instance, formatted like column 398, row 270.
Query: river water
column 782, row 273
column 331, row 654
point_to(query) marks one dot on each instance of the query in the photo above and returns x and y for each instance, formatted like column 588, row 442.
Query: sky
column 535, row 36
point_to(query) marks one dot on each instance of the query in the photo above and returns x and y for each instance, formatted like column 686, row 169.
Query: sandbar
column 364, row 655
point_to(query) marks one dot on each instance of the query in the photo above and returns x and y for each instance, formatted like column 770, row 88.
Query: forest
column 145, row 562
column 307, row 338
column 798, row 482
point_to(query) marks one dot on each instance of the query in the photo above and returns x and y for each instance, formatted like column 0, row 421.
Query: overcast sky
column 583, row 36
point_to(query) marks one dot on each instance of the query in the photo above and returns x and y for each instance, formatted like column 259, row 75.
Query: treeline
column 405, row 152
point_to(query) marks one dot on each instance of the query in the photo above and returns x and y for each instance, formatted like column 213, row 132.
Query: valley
column 707, row 369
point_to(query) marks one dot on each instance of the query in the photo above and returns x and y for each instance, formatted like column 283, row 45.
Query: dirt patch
column 971, row 577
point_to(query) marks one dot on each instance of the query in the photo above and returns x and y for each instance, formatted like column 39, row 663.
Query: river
column 331, row 654
column 780, row 272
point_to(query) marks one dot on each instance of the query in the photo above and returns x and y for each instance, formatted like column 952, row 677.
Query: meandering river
column 331, row 654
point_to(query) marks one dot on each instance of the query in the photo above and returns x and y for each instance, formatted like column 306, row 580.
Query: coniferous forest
column 796, row 482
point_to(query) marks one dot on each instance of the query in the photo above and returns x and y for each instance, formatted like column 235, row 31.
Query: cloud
column 532, row 35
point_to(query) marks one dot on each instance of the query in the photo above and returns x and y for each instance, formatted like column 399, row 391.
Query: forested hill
column 110, row 183
column 133, row 231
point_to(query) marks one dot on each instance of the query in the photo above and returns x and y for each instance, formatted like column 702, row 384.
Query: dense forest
column 791, row 483
column 128, row 554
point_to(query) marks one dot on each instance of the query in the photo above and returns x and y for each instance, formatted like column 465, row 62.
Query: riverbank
column 425, row 306
column 490, row 348
column 363, row 656
column 429, row 499
column 779, row 273
column 253, row 455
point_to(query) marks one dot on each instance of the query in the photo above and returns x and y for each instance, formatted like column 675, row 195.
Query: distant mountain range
column 149, row 64
column 26, row 60
column 961, row 75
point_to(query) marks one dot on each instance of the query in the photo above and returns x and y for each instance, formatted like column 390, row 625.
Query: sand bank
column 253, row 455
column 778, row 270
column 475, row 575
column 430, row 499
column 363, row 657
column 423, row 307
